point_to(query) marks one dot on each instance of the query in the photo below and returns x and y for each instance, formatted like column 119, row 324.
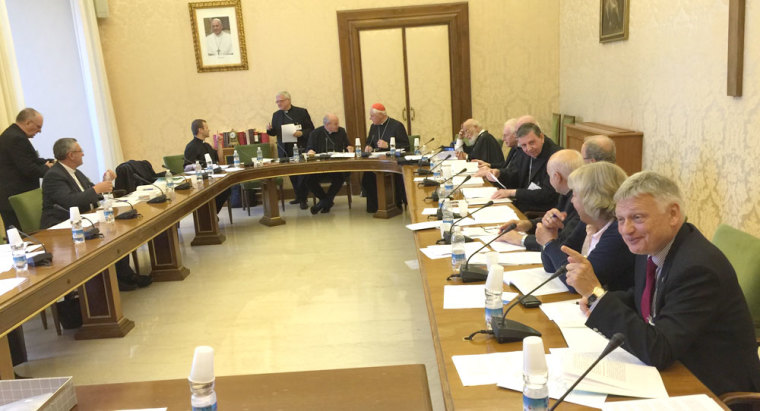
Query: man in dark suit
column 330, row 137
column 197, row 149
column 20, row 166
column 481, row 145
column 68, row 187
column 298, row 116
column 685, row 305
column 378, row 139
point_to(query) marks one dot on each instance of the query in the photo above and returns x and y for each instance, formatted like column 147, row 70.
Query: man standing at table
column 378, row 139
column 21, row 167
column 685, row 305
column 197, row 149
column 299, row 117
column 68, row 187
column 328, row 138
column 482, row 145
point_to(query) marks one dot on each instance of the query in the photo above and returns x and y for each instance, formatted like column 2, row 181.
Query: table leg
column 165, row 257
column 269, row 198
column 207, row 225
column 100, row 302
column 6, row 363
column 386, row 196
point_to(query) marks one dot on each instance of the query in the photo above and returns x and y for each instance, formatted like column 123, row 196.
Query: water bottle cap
column 534, row 358
column 202, row 370
column 14, row 237
column 74, row 213
column 495, row 279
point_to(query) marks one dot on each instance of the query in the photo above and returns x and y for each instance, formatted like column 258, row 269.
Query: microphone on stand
column 44, row 258
column 127, row 215
column 432, row 183
column 184, row 186
column 435, row 196
column 471, row 275
column 447, row 236
column 616, row 341
column 421, row 171
column 508, row 330
column 439, row 212
column 89, row 233
column 157, row 200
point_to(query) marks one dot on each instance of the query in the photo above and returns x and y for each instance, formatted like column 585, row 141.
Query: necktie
column 646, row 297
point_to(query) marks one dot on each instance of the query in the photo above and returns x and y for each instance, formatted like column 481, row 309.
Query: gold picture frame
column 613, row 20
column 218, row 36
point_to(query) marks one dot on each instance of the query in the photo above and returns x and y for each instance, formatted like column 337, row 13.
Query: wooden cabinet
column 628, row 143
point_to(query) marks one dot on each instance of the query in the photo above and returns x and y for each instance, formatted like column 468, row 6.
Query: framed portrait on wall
column 613, row 20
column 218, row 36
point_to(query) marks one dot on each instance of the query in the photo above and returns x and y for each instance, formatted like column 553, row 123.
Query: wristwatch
column 596, row 294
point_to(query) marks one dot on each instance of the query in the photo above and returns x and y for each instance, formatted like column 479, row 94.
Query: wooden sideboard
column 628, row 143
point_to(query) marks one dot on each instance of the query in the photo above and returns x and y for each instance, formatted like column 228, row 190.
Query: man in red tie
column 685, row 305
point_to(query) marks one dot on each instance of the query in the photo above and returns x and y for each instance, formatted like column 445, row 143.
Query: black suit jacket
column 58, row 187
column 613, row 262
column 564, row 204
column 700, row 317
column 20, row 166
column 520, row 174
column 296, row 115
column 487, row 148
column 322, row 142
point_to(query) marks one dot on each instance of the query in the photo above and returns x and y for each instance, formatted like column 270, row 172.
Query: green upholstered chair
column 247, row 153
column 743, row 251
column 175, row 164
column 28, row 209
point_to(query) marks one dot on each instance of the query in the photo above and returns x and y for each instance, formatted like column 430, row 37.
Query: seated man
column 197, row 149
column 481, row 144
column 685, row 304
column 526, row 179
column 378, row 139
column 68, row 187
column 328, row 138
column 561, row 219
column 598, row 148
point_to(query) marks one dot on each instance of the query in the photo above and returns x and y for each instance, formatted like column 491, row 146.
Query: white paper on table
column 419, row 179
column 520, row 258
column 613, row 377
column 229, row 169
column 469, row 296
column 494, row 215
column 430, row 211
column 8, row 284
column 424, row 225
column 218, row 175
column 416, row 157
column 478, row 192
column 481, row 231
column 511, row 377
column 473, row 181
column 435, row 252
column 526, row 280
column 584, row 339
column 483, row 200
column 288, row 131
column 502, row 247
column 66, row 224
column 485, row 369
column 565, row 313
column 343, row 155
column 697, row 402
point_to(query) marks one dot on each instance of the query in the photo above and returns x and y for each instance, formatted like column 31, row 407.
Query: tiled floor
column 324, row 291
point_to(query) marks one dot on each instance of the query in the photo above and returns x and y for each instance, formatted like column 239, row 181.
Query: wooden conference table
column 89, row 266
column 449, row 327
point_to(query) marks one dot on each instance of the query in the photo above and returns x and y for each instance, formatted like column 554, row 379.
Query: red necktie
column 646, row 296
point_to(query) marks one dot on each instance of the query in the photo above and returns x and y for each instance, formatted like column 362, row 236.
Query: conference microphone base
column 93, row 232
column 430, row 183
column 447, row 239
column 423, row 172
column 158, row 200
column 508, row 331
column 473, row 274
column 127, row 215
column 41, row 259
column 183, row 186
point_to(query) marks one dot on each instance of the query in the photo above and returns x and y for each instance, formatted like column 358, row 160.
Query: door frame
column 351, row 22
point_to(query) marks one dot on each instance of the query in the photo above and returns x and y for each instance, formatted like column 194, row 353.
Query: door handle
column 403, row 114
column 413, row 113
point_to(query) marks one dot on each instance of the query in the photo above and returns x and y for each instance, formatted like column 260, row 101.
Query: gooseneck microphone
column 505, row 330
column 447, row 235
column 430, row 172
column 184, row 185
column 425, row 160
column 616, row 341
column 472, row 274
column 432, row 183
column 89, row 233
column 127, row 215
column 157, row 200
column 439, row 212
column 435, row 195
column 44, row 258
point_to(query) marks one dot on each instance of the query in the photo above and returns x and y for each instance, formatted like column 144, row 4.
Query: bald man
column 481, row 145
column 328, row 138
column 598, row 148
column 219, row 42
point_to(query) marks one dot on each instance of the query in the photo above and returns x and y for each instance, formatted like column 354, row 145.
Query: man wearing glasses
column 20, row 165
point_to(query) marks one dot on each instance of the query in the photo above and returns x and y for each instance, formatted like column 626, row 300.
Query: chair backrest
column 248, row 152
column 743, row 251
column 28, row 209
column 175, row 164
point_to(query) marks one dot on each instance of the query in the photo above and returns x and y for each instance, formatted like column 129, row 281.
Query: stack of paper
column 612, row 377
column 478, row 192
column 494, row 215
column 526, row 280
column 472, row 182
column 469, row 296
column 470, row 167
column 434, row 252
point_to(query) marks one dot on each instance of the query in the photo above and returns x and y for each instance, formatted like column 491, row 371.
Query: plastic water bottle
column 448, row 218
column 437, row 171
column 236, row 159
column 457, row 249
column 449, row 184
column 417, row 146
column 108, row 205
column 77, row 232
column 393, row 146
column 202, row 380
column 169, row 178
column 535, row 375
column 259, row 155
column 198, row 174
column 18, row 249
column 493, row 289
column 210, row 171
column 358, row 147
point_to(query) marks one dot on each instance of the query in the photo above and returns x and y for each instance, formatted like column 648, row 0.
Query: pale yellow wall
column 156, row 90
column 669, row 81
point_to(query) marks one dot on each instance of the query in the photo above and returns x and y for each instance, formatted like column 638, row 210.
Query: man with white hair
column 219, row 42
column 481, row 145
column 686, row 304
column 378, row 138
column 330, row 137
column 598, row 148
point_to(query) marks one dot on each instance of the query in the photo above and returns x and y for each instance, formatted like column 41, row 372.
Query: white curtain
column 98, row 94
column 11, row 97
